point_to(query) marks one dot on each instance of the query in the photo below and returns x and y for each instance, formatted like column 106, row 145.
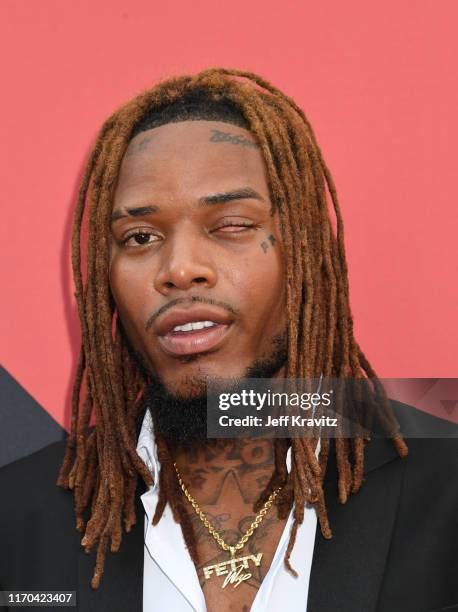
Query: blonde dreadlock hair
column 101, row 465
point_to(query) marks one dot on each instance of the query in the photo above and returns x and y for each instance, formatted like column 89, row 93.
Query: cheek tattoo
column 265, row 244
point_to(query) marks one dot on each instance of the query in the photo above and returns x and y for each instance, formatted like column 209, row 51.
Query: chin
column 188, row 386
column 193, row 385
column 193, row 369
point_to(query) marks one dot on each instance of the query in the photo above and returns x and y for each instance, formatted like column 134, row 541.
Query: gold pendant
column 234, row 574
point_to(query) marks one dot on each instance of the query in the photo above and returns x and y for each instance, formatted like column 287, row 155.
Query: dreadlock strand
column 63, row 477
column 357, row 476
column 323, row 456
column 343, row 468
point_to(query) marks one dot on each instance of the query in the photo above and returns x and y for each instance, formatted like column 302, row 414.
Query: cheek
column 269, row 292
column 259, row 286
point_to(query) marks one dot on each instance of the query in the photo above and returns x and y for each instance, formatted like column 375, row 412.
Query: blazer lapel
column 348, row 569
column 121, row 586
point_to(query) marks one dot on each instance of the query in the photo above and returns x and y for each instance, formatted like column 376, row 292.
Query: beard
column 182, row 418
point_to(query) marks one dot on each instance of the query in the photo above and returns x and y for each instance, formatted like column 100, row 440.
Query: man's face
column 194, row 242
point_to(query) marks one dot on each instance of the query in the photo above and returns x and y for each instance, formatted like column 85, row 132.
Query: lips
column 178, row 342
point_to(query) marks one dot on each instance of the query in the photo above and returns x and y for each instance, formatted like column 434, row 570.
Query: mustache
column 189, row 300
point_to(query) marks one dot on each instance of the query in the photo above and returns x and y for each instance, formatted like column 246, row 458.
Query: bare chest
column 231, row 584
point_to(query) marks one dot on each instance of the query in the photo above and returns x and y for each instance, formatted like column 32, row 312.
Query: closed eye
column 231, row 227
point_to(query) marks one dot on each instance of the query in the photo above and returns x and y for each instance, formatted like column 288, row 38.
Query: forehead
column 189, row 158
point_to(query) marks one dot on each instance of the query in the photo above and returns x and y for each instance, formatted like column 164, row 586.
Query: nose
column 185, row 264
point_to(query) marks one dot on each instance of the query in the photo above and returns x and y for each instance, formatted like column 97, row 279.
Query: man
column 211, row 255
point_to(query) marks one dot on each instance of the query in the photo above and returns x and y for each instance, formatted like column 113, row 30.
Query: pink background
column 378, row 82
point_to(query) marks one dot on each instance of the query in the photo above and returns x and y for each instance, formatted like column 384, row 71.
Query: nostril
column 169, row 285
column 200, row 279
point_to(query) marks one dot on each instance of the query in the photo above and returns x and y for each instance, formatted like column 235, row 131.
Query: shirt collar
column 147, row 448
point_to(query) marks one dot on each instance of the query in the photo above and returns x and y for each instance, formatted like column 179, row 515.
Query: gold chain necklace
column 233, row 568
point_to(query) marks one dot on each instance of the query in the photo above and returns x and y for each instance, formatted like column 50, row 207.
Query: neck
column 226, row 469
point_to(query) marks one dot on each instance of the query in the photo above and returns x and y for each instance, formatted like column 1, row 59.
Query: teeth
column 193, row 326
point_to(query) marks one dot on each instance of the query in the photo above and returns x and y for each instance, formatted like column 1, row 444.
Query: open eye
column 139, row 239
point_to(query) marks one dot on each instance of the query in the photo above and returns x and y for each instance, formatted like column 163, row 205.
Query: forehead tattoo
column 216, row 136
column 138, row 146
column 237, row 139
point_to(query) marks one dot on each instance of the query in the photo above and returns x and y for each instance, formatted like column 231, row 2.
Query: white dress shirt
column 170, row 581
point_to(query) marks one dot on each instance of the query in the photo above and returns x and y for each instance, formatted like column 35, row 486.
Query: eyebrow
column 138, row 211
column 245, row 193
column 230, row 196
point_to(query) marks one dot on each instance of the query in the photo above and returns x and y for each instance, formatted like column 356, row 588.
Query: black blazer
column 394, row 545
